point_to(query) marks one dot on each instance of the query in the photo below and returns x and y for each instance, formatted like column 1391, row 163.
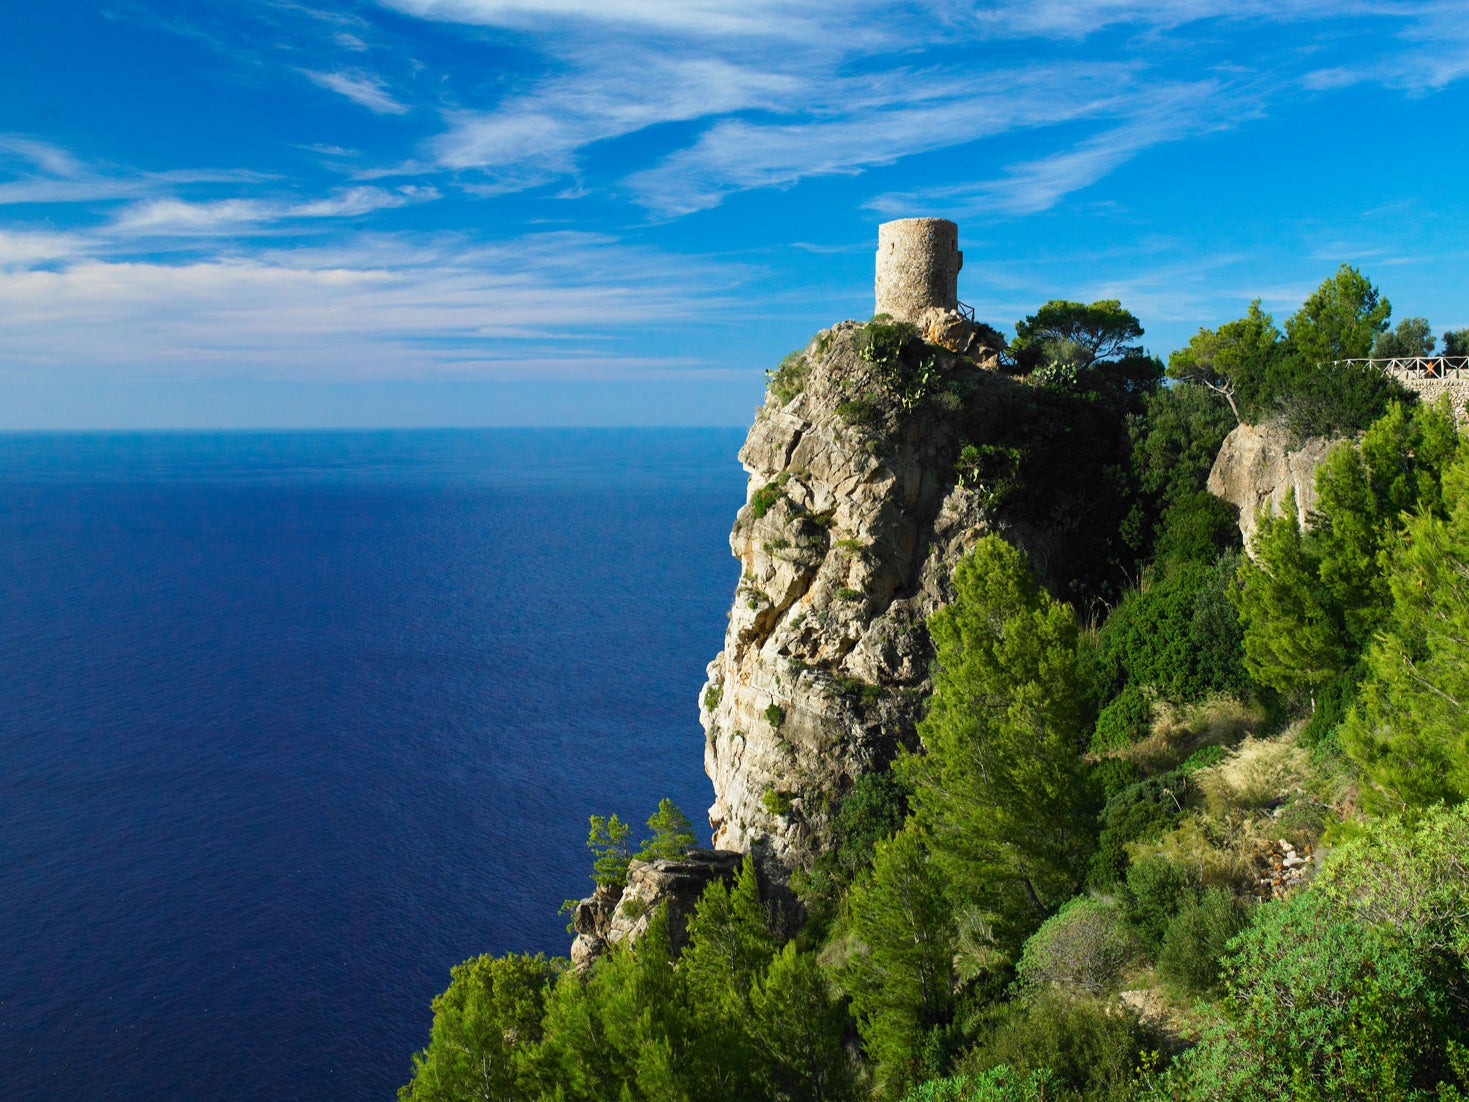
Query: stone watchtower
column 918, row 262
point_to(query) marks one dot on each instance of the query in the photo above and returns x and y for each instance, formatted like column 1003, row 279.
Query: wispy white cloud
column 373, row 307
column 1167, row 113
column 535, row 135
column 177, row 217
column 782, row 90
column 1081, row 18
column 49, row 159
column 705, row 19
column 361, row 88
column 27, row 249
column 934, row 114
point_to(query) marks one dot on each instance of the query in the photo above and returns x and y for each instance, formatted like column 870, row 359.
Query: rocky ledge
column 611, row 915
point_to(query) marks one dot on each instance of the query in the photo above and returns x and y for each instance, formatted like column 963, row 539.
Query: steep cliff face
column 854, row 520
column 1258, row 465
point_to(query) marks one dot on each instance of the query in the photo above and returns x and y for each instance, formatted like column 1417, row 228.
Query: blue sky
column 477, row 212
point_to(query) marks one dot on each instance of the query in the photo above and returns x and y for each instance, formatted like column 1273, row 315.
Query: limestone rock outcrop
column 952, row 330
column 609, row 916
column 1258, row 465
column 854, row 521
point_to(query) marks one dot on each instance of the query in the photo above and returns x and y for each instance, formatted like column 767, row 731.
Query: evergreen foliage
column 483, row 1026
column 900, row 973
column 1000, row 791
column 1178, row 637
column 673, row 834
column 1409, row 731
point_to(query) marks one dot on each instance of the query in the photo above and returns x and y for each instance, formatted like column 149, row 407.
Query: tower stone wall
column 918, row 262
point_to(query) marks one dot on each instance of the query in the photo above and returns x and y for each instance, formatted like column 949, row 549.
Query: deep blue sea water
column 293, row 722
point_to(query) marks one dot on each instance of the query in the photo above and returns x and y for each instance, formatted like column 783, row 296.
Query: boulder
column 1259, row 464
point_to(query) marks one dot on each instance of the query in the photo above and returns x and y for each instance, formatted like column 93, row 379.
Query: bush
column 1123, row 722
column 789, row 379
column 764, row 499
column 1141, row 812
column 1084, row 947
column 1180, row 636
column 1089, row 1046
column 996, row 1085
column 1197, row 938
column 1156, row 890
column 1327, row 1006
column 775, row 715
column 1196, row 528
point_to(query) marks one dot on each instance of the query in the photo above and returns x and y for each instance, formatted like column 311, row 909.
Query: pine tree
column 1291, row 639
column 729, row 947
column 1001, row 791
column 484, row 1025
column 1410, row 730
column 798, row 1025
column 673, row 834
column 900, row 975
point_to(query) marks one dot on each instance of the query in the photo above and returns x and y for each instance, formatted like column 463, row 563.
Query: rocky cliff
column 1258, row 465
column 860, row 502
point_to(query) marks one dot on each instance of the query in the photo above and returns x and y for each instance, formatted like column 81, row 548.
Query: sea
column 293, row 722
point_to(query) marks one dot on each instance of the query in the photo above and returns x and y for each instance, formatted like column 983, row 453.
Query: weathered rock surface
column 1257, row 466
column 848, row 539
column 951, row 330
column 609, row 916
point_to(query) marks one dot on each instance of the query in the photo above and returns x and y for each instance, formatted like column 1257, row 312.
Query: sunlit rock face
column 1258, row 465
column 855, row 517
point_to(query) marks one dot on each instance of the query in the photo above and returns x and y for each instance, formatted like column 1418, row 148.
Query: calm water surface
column 291, row 723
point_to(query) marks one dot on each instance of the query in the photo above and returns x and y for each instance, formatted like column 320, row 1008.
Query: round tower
column 918, row 262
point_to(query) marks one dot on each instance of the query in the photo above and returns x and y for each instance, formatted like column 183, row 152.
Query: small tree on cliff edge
column 673, row 834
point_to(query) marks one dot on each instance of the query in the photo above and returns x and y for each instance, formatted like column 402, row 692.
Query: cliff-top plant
column 673, row 834
column 1076, row 333
column 608, row 841
column 789, row 379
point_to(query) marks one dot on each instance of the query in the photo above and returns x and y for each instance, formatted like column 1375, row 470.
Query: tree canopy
column 1076, row 333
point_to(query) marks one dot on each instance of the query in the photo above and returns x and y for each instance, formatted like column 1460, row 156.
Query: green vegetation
column 789, row 379
column 764, row 499
column 1180, row 823
column 1265, row 374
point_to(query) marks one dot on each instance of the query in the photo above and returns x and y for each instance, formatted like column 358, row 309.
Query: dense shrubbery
column 1086, row 819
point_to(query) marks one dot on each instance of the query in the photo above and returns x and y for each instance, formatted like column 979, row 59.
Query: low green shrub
column 996, row 1085
column 775, row 802
column 1141, row 812
column 1083, row 947
column 764, row 499
column 775, row 715
column 1196, row 940
column 1088, row 1046
column 1156, row 889
column 1123, row 722
column 789, row 379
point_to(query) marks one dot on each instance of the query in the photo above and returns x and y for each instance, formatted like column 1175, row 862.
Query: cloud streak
column 379, row 307
column 363, row 89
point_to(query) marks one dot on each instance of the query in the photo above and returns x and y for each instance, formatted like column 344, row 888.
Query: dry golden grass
column 1258, row 774
column 1180, row 729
